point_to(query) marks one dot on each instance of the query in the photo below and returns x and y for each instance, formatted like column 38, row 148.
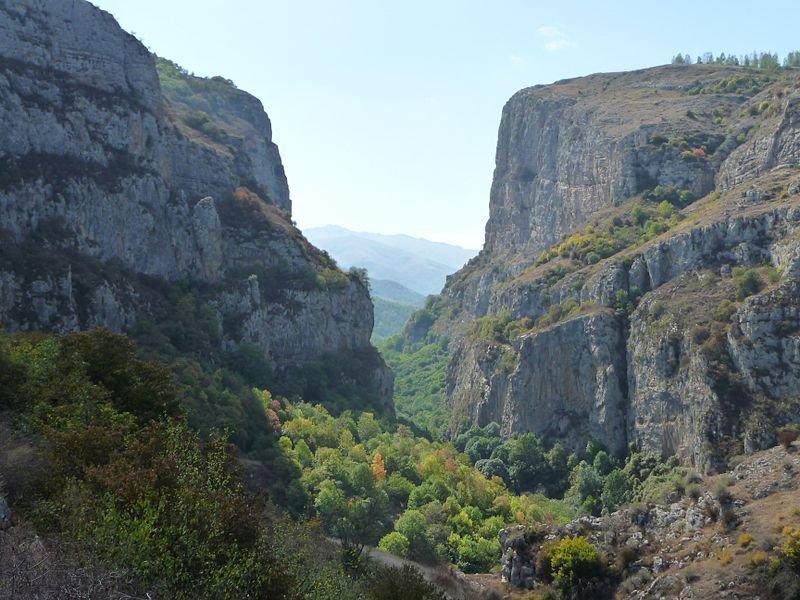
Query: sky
column 386, row 113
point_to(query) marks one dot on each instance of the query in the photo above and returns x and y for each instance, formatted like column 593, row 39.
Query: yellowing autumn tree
column 378, row 467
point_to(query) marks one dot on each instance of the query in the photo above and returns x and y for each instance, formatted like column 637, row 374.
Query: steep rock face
column 529, row 389
column 112, row 191
column 674, row 407
column 568, row 150
column 589, row 151
column 765, row 342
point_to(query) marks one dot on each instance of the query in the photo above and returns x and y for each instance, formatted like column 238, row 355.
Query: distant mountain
column 394, row 292
column 418, row 264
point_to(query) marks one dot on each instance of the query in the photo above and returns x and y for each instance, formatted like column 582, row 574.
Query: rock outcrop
column 674, row 331
column 121, row 176
column 676, row 550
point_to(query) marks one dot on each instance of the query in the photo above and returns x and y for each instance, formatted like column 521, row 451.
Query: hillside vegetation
column 98, row 459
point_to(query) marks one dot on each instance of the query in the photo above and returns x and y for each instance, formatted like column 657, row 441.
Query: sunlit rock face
column 632, row 347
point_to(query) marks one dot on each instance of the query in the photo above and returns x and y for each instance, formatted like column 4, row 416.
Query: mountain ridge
column 416, row 263
column 613, row 195
column 129, row 184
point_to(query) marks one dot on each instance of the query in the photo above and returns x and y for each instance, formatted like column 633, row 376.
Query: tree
column 378, row 467
column 368, row 427
column 602, row 463
column 356, row 521
column 586, row 484
column 792, row 60
column 617, row 490
column 395, row 543
column 477, row 554
column 493, row 467
column 413, row 527
column 527, row 464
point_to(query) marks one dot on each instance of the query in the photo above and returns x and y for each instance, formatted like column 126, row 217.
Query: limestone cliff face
column 568, row 150
column 565, row 381
column 115, row 175
column 656, row 345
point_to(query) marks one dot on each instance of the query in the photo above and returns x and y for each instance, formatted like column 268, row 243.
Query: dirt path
column 452, row 582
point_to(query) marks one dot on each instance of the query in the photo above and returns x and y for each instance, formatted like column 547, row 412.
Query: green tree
column 617, row 491
column 395, row 543
column 586, row 484
column 413, row 527
column 477, row 554
column 792, row 59
column 602, row 463
column 527, row 464
column 368, row 427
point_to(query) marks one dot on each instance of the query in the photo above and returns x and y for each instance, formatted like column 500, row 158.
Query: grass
column 745, row 539
column 725, row 557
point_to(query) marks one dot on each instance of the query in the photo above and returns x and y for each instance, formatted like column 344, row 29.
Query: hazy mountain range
column 415, row 263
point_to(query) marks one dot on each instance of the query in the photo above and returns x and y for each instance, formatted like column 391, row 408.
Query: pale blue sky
column 386, row 114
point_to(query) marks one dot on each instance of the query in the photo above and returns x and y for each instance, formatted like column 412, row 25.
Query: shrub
column 721, row 492
column 394, row 543
column 759, row 558
column 786, row 437
column 401, row 584
column 694, row 491
column 791, row 545
column 574, row 562
column 745, row 539
column 544, row 560
column 747, row 282
column 729, row 519
column 725, row 311
column 665, row 209
column 725, row 557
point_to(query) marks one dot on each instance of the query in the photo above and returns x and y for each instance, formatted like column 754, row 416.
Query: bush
column 745, row 539
column 747, row 282
column 394, row 543
column 694, row 491
column 786, row 437
column 791, row 545
column 721, row 492
column 725, row 311
column 544, row 560
column 574, row 562
column 725, row 557
column 401, row 584
column 759, row 558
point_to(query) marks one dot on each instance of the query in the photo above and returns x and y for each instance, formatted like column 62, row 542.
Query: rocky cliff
column 638, row 281
column 125, row 182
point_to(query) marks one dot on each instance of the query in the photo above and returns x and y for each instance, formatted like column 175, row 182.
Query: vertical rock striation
column 683, row 373
column 121, row 175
